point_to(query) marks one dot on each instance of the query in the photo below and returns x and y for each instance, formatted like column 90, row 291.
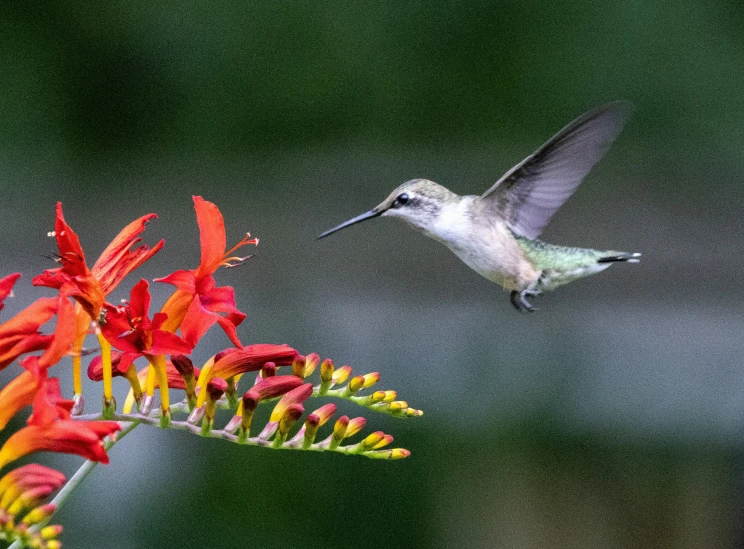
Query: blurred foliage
column 611, row 419
column 235, row 74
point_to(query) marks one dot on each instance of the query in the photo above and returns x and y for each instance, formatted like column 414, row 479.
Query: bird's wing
column 532, row 191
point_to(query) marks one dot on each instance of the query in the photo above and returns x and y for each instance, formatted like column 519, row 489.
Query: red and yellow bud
column 292, row 414
column 297, row 395
column 355, row 425
column 298, row 366
column 50, row 532
column 339, row 432
column 341, row 375
column 356, row 383
column 215, row 389
column 371, row 379
column 326, row 370
column 247, row 359
column 40, row 514
column 311, row 362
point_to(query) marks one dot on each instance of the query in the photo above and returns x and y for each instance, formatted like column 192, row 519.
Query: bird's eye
column 402, row 200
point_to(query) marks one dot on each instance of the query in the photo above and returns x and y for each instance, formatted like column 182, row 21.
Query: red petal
column 197, row 321
column 183, row 280
column 117, row 260
column 166, row 343
column 64, row 334
column 70, row 251
column 211, row 236
column 30, row 318
column 139, row 300
column 228, row 324
column 220, row 300
column 6, row 286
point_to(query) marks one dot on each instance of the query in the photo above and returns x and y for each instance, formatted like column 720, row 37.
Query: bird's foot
column 520, row 303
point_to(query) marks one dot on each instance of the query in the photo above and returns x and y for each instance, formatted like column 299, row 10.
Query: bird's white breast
column 485, row 245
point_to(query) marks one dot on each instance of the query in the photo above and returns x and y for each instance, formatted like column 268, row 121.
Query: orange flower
column 51, row 429
column 90, row 286
column 197, row 302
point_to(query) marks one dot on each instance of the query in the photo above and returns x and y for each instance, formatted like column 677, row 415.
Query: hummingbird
column 496, row 233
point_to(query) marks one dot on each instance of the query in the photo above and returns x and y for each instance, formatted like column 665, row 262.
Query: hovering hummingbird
column 495, row 234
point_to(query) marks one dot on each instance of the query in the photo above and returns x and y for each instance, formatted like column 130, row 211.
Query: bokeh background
column 612, row 418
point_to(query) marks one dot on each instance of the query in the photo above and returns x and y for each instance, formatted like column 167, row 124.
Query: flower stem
column 79, row 476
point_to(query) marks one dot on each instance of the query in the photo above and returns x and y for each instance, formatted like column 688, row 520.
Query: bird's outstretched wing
column 532, row 191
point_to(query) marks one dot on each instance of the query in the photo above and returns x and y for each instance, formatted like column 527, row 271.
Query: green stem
column 80, row 475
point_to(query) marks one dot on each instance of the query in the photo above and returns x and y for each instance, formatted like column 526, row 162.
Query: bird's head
column 418, row 201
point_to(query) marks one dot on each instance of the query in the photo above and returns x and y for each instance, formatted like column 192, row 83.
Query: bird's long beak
column 367, row 215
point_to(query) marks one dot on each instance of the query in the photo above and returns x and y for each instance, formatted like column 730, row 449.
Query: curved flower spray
column 239, row 378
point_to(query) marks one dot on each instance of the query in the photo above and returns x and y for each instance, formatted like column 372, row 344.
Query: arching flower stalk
column 219, row 399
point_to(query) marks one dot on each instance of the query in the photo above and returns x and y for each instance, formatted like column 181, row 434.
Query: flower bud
column 51, row 532
column 290, row 417
column 314, row 421
column 311, row 362
column 371, row 379
column 341, row 375
column 356, row 383
column 297, row 395
column 268, row 370
column 298, row 366
column 215, row 389
column 339, row 432
column 39, row 514
column 355, row 425
column 395, row 453
column 326, row 370
column 390, row 396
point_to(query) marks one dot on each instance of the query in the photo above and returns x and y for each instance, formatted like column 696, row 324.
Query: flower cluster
column 22, row 492
column 152, row 352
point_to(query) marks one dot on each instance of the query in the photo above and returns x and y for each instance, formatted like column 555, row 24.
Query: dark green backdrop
column 612, row 418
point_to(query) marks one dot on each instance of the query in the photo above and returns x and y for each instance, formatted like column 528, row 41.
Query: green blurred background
column 612, row 418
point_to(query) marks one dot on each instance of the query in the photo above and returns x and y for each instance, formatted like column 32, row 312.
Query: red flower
column 130, row 329
column 90, row 286
column 51, row 429
column 197, row 302
column 6, row 287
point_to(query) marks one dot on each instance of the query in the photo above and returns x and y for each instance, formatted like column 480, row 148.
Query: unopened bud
column 298, row 366
column 339, row 431
column 311, row 362
column 268, row 370
column 51, row 532
column 326, row 370
column 355, row 425
column 340, row 376
column 356, row 383
column 371, row 379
